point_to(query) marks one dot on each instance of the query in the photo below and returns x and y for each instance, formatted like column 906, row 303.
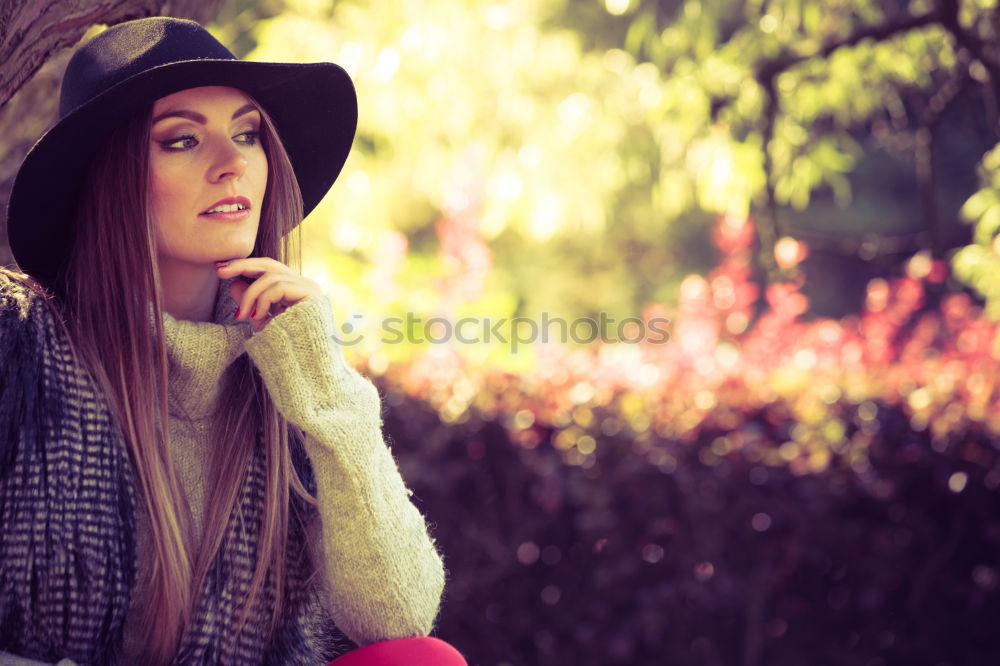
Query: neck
column 188, row 290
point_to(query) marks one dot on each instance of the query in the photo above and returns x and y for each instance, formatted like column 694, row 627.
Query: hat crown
column 130, row 48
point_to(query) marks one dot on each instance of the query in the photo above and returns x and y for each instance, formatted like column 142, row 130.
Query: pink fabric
column 404, row 652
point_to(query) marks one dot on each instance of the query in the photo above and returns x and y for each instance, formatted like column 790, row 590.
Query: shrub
column 763, row 488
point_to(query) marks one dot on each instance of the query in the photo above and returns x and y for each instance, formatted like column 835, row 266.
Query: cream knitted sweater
column 382, row 576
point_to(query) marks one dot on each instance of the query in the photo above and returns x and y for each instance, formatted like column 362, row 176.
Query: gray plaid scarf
column 67, row 502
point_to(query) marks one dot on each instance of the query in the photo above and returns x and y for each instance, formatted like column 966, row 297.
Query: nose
column 228, row 163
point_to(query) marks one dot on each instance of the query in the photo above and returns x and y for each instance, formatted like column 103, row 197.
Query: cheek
column 259, row 168
column 168, row 198
column 167, row 192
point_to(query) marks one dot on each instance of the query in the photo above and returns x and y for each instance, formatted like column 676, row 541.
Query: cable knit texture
column 382, row 576
column 383, row 572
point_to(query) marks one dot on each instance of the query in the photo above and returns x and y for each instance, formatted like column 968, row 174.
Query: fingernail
column 221, row 264
column 237, row 316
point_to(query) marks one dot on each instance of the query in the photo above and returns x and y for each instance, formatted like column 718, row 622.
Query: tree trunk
column 31, row 32
column 34, row 36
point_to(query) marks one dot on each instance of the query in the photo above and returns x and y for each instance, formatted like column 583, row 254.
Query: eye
column 248, row 138
column 179, row 143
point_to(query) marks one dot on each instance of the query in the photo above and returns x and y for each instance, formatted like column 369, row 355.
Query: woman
column 189, row 471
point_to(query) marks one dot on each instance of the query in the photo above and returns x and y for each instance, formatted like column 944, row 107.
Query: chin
column 234, row 249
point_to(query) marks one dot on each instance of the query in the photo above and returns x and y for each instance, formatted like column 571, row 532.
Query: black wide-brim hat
column 122, row 71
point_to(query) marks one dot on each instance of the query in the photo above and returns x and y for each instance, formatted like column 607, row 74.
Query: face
column 208, row 172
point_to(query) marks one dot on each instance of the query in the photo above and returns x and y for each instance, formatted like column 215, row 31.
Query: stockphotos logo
column 513, row 331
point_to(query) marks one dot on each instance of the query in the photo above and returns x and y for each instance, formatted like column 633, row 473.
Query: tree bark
column 31, row 32
column 34, row 36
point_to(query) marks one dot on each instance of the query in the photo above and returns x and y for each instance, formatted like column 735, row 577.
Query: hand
column 275, row 288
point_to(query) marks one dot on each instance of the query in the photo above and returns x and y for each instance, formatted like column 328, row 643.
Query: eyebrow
column 199, row 118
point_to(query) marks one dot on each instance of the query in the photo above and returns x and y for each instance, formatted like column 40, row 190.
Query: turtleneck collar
column 198, row 353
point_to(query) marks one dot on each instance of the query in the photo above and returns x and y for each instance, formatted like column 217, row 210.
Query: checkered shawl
column 67, row 502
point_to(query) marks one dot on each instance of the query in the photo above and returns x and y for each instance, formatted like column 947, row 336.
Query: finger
column 248, row 301
column 281, row 295
column 297, row 287
column 251, row 267
column 268, row 303
column 236, row 290
column 274, row 300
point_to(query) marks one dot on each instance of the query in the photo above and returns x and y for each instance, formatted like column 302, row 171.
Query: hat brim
column 314, row 108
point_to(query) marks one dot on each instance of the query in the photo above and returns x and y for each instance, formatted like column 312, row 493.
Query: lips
column 228, row 206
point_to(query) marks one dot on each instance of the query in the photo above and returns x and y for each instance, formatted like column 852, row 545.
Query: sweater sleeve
column 383, row 575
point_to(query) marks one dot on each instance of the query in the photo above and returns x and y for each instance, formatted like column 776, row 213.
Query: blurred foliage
column 479, row 123
column 788, row 492
column 765, row 484
column 941, row 361
column 710, row 549
column 510, row 151
column 979, row 264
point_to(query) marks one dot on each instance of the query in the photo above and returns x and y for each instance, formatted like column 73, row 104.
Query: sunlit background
column 785, row 450
column 804, row 468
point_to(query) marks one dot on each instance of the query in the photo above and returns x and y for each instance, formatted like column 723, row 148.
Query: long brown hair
column 118, row 333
